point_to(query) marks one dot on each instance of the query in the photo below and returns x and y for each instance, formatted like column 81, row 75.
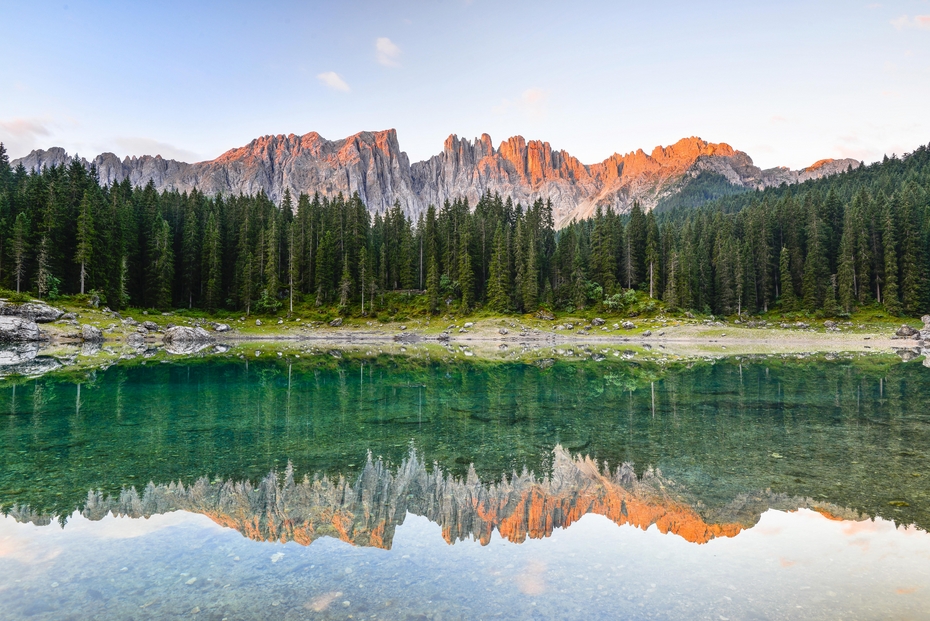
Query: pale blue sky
column 788, row 82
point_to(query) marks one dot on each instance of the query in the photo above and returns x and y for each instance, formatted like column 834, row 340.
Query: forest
column 857, row 239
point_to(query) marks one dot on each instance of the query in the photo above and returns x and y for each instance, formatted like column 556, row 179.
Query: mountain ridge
column 372, row 164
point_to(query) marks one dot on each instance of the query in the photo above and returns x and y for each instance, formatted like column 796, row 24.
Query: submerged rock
column 18, row 330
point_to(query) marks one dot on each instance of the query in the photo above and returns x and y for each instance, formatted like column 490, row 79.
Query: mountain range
column 524, row 506
column 372, row 164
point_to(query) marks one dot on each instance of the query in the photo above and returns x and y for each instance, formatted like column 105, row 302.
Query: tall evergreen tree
column 85, row 235
column 19, row 245
column 788, row 298
column 212, row 263
column 499, row 280
column 161, row 267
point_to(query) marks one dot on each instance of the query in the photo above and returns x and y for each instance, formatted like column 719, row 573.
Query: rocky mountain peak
column 372, row 164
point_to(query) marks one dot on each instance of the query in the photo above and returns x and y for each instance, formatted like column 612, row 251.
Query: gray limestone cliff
column 372, row 164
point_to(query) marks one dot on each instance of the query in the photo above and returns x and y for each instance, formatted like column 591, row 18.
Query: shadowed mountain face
column 372, row 164
column 367, row 511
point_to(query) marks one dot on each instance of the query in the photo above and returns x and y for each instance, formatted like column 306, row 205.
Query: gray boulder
column 221, row 327
column 151, row 326
column 335, row 323
column 91, row 334
column 628, row 325
column 597, row 321
column 18, row 330
column 38, row 312
column 906, row 332
column 184, row 334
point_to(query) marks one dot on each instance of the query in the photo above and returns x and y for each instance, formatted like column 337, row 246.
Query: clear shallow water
column 181, row 565
column 723, row 455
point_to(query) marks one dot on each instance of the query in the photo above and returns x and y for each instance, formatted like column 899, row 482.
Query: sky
column 788, row 82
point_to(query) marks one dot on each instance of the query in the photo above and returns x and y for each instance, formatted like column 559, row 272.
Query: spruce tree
column 161, row 267
column 890, row 295
column 531, row 278
column 212, row 263
column 499, row 278
column 816, row 268
column 788, row 299
column 913, row 265
column 19, row 245
column 466, row 272
column 652, row 252
column 846, row 268
column 432, row 260
column 85, row 235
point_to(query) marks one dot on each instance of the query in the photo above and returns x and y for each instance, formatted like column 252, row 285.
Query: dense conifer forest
column 830, row 246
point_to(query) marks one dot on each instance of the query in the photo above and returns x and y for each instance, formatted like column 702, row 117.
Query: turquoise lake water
column 402, row 487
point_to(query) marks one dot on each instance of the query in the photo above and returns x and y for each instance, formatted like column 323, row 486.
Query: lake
column 333, row 484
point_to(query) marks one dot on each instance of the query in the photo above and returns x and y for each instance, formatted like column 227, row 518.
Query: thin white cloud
column 146, row 146
column 387, row 52
column 532, row 104
column 20, row 136
column 918, row 22
column 332, row 80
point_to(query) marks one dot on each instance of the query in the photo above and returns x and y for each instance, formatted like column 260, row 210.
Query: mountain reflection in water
column 367, row 511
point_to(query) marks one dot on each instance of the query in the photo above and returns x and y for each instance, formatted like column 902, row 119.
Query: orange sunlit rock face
column 367, row 512
column 372, row 164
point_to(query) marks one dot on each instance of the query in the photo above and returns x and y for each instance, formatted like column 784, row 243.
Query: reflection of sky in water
column 790, row 565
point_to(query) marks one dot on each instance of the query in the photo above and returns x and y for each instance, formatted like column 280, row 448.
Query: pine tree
column 212, row 263
column 531, row 279
column 846, row 268
column 816, row 268
column 652, row 252
column 788, row 299
column 670, row 296
column 635, row 253
column 362, row 275
column 913, row 265
column 19, row 245
column 161, row 268
column 432, row 260
column 85, row 235
column 43, row 277
column 345, row 284
column 466, row 272
column 499, row 279
column 190, row 252
column 272, row 262
column 890, row 295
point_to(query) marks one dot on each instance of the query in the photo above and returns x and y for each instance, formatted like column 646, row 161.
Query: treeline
column 854, row 239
